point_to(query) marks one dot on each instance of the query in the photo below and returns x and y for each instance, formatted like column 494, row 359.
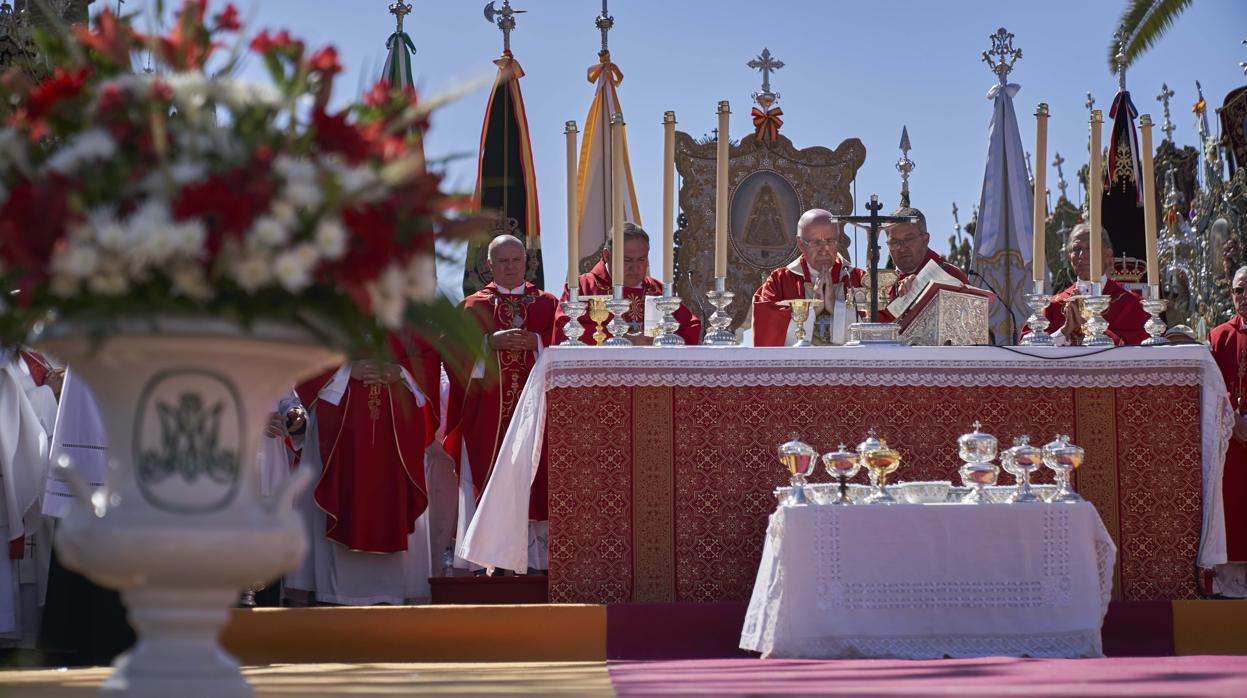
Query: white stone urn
column 180, row 527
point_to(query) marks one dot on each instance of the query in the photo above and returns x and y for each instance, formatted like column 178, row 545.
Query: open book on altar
column 939, row 309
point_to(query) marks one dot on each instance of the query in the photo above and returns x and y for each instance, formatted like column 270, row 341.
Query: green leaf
column 1145, row 22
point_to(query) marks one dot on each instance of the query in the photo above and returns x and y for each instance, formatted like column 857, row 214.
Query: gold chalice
column 598, row 314
column 881, row 461
column 801, row 308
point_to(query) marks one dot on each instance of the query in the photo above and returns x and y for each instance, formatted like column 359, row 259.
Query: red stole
column 771, row 320
column 597, row 282
column 1228, row 342
column 1125, row 314
column 480, row 412
column 372, row 442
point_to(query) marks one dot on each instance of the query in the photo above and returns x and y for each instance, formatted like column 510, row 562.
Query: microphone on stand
column 1013, row 323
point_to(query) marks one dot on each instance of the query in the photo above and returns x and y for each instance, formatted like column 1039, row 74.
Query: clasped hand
column 513, row 340
column 373, row 373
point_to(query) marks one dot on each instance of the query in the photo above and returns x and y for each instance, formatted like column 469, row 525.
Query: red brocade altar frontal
column 662, row 462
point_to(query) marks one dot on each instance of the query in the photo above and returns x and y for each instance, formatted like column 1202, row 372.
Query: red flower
column 31, row 222
column 110, row 38
column 229, row 203
column 56, row 89
column 281, row 41
column 372, row 244
column 379, row 95
column 334, row 134
column 227, row 19
column 325, row 61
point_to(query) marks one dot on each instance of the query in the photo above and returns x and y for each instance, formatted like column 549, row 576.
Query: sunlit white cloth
column 79, row 438
column 498, row 534
column 933, row 580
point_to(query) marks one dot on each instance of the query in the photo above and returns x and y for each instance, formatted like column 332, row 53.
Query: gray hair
column 1085, row 229
column 813, row 216
column 503, row 240
column 913, row 213
column 1237, row 273
column 631, row 231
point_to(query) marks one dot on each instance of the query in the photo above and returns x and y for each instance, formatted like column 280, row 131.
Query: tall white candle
column 668, row 201
column 720, row 199
column 573, row 217
column 1096, row 190
column 1038, row 262
column 617, row 199
column 1149, row 202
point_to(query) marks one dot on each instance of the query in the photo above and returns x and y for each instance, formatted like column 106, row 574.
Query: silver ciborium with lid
column 800, row 459
column 977, row 451
column 842, row 464
column 1063, row 458
column 881, row 461
column 1020, row 461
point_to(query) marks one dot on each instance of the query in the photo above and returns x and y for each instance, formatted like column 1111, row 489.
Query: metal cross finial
column 956, row 223
column 766, row 64
column 904, row 165
column 1002, row 49
column 1090, row 103
column 1120, row 58
column 1060, row 175
column 1242, row 64
column 604, row 23
column 1163, row 98
column 1030, row 174
column 505, row 19
column 400, row 10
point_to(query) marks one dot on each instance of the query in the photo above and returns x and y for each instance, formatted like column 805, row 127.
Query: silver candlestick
column 668, row 326
column 618, row 326
column 720, row 320
column 573, row 308
column 1037, row 322
column 1095, row 305
column 1155, row 326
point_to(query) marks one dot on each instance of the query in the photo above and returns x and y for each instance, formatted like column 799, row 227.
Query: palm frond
column 1145, row 22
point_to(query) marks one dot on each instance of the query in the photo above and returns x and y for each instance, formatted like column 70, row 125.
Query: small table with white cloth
column 924, row 581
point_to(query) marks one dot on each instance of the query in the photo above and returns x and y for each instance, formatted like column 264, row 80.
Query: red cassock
column 597, row 282
column 1229, row 347
column 478, row 414
column 1125, row 314
column 372, row 443
column 771, row 320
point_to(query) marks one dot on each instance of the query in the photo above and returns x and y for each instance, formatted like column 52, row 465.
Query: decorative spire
column 400, row 10
column 904, row 165
column 505, row 19
column 604, row 23
column 1003, row 53
column 1030, row 174
column 766, row 64
column 1090, row 103
column 956, row 223
column 1200, row 110
column 1242, row 64
column 1120, row 58
column 1163, row 98
column 1060, row 175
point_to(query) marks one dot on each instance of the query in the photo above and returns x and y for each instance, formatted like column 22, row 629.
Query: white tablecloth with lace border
column 931, row 581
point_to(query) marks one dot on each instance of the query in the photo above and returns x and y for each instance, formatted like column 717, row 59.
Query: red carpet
column 989, row 676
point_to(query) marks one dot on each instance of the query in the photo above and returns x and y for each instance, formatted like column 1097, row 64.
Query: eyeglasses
column 818, row 244
column 903, row 242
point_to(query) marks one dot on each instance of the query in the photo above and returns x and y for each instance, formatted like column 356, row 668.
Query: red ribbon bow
column 766, row 123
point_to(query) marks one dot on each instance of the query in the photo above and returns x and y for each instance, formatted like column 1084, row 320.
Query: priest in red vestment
column 909, row 249
column 1228, row 342
column 1125, row 313
column 373, row 424
column 820, row 272
column 518, row 321
column 599, row 282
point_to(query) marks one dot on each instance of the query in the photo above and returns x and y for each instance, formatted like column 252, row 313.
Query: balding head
column 507, row 261
column 819, row 238
column 502, row 241
column 1078, row 250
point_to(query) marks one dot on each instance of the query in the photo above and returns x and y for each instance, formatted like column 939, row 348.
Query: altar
column 662, row 462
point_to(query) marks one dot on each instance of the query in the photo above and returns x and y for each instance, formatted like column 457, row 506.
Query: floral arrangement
column 177, row 191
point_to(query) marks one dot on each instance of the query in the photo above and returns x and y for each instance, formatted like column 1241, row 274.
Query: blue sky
column 853, row 69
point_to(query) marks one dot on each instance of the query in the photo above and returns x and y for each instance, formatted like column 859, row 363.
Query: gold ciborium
column 598, row 314
column 801, row 308
column 881, row 461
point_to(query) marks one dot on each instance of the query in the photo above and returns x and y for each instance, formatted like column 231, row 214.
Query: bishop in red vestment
column 815, row 274
column 518, row 321
column 1125, row 313
column 598, row 282
column 1228, row 342
column 374, row 423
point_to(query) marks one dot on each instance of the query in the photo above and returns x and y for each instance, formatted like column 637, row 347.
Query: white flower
column 285, row 212
column 187, row 237
column 88, row 146
column 331, row 238
column 422, row 278
column 294, row 169
column 267, row 230
column 293, row 268
column 243, row 93
column 189, row 88
column 189, row 281
column 109, row 234
column 77, row 261
column 111, row 283
column 353, row 180
column 13, row 149
column 150, row 235
column 304, row 195
column 184, row 172
column 388, row 295
column 252, row 272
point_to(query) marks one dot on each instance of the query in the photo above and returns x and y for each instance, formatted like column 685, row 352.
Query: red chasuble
column 597, row 282
column 952, row 269
column 1229, row 347
column 372, row 443
column 771, row 320
column 1125, row 314
column 479, row 414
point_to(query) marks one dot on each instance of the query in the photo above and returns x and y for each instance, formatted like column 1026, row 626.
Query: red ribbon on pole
column 766, row 123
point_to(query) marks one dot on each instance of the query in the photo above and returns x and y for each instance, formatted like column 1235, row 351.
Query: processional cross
column 1090, row 103
column 1163, row 98
column 874, row 223
column 766, row 64
column 604, row 22
column 1002, row 55
column 1060, row 175
column 956, row 224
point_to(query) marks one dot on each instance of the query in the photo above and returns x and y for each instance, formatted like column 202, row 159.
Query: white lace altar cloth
column 930, row 581
column 498, row 535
